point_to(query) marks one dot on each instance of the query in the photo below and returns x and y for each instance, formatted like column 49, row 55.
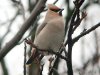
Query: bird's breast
column 51, row 36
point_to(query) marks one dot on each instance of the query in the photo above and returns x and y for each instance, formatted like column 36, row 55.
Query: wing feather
column 39, row 28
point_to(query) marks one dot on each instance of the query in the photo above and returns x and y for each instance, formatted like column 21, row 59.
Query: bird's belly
column 49, row 41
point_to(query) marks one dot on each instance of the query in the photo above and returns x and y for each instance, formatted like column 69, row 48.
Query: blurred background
column 85, row 54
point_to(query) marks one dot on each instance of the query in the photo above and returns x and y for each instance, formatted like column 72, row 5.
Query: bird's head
column 56, row 9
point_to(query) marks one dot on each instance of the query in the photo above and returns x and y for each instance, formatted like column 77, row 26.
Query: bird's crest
column 53, row 7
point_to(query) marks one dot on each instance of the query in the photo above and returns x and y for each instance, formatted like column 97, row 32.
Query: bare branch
column 75, row 17
column 84, row 14
column 52, row 52
column 55, row 2
column 86, row 32
column 15, row 1
column 23, row 10
column 24, row 58
column 13, row 42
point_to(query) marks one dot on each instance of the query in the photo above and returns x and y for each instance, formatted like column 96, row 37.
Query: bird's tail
column 34, row 55
column 30, row 60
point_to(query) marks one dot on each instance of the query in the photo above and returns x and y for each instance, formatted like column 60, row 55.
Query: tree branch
column 69, row 41
column 86, row 32
column 24, row 59
column 13, row 42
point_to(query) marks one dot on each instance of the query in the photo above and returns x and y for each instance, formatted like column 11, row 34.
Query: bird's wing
column 40, row 28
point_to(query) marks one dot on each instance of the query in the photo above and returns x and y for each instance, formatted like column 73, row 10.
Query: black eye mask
column 59, row 11
column 55, row 10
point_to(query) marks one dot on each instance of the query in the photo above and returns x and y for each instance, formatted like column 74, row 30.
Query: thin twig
column 41, row 69
column 54, row 70
column 56, row 53
column 24, row 58
column 64, row 49
column 15, row 1
column 55, row 1
column 83, row 33
column 84, row 14
column 86, row 32
column 23, row 10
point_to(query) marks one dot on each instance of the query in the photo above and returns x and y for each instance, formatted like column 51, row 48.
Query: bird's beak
column 62, row 9
column 60, row 12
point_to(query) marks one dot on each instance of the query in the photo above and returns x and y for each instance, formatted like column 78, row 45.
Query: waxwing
column 50, row 34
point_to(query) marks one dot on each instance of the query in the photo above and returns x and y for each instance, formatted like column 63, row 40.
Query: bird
column 50, row 34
